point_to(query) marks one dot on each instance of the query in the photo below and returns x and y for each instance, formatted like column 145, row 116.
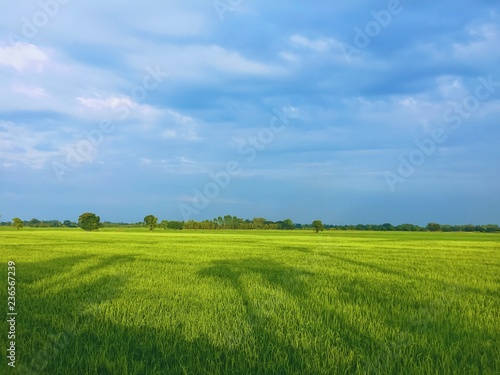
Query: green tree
column 406, row 227
column 164, row 224
column 318, row 226
column 89, row 221
column 151, row 221
column 228, row 222
column 447, row 228
column 469, row 228
column 288, row 224
column 492, row 228
column 175, row 225
column 18, row 223
column 35, row 223
column 433, row 227
column 388, row 226
column 258, row 222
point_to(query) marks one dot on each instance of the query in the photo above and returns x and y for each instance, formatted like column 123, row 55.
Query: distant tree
column 237, row 222
column 480, row 228
column 388, row 227
column 406, row 227
column 228, row 221
column 35, row 223
column 268, row 224
column 89, row 221
column 433, row 227
column 191, row 224
column 150, row 221
column 164, row 224
column 258, row 222
column 175, row 225
column 18, row 223
column 448, row 228
column 50, row 223
column 287, row 224
column 492, row 228
column 67, row 223
column 215, row 223
column 318, row 226
column 469, row 228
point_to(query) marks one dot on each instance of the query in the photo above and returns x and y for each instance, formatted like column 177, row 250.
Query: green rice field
column 252, row 302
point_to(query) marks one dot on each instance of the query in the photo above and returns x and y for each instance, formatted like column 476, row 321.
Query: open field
column 253, row 302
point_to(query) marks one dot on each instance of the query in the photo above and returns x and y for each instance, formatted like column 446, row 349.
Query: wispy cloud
column 30, row 91
column 318, row 45
column 21, row 146
column 23, row 56
column 196, row 61
column 482, row 43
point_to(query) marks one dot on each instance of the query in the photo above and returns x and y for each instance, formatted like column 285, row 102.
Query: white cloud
column 121, row 107
column 484, row 43
column 145, row 161
column 415, row 112
column 201, row 62
column 218, row 58
column 291, row 112
column 451, row 87
column 180, row 126
column 108, row 103
column 290, row 57
column 481, row 47
column 180, row 118
column 169, row 134
column 31, row 91
column 178, row 21
column 329, row 50
column 318, row 45
column 176, row 165
column 22, row 146
column 23, row 56
column 117, row 24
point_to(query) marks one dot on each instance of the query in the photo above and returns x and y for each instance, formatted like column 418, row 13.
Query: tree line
column 430, row 227
column 229, row 222
column 90, row 221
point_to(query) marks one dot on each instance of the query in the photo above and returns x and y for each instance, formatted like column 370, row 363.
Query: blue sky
column 348, row 112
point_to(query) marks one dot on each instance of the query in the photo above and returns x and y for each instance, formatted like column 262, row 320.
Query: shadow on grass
column 60, row 336
column 53, row 300
column 284, row 354
column 289, row 279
